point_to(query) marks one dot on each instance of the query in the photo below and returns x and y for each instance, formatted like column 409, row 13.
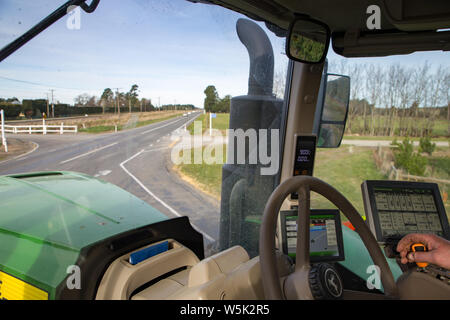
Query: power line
column 42, row 84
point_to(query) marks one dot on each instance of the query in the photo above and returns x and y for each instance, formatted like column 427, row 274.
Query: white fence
column 44, row 129
column 2, row 130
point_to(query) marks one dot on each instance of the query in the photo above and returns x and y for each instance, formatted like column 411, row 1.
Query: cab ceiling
column 406, row 25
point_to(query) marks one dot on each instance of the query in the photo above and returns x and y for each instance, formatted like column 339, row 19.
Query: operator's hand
column 438, row 250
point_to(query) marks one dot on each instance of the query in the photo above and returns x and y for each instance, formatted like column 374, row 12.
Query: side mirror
column 333, row 102
column 307, row 40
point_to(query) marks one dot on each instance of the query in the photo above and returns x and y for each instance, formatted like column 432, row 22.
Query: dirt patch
column 16, row 147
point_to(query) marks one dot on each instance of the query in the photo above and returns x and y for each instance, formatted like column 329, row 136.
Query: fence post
column 44, row 129
column 61, row 130
column 2, row 116
column 29, row 129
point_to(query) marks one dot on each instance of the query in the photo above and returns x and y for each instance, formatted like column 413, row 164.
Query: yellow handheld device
column 419, row 247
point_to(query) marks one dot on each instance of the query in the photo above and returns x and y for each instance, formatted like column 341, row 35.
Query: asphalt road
column 137, row 160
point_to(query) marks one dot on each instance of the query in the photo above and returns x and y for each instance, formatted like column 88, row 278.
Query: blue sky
column 172, row 49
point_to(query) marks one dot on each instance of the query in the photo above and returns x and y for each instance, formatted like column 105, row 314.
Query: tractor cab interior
column 273, row 242
column 302, row 250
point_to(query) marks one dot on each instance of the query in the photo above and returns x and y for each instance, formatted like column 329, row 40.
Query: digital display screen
column 395, row 209
column 304, row 157
column 325, row 235
column 403, row 210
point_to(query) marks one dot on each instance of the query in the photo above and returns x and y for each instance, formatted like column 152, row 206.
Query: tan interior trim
column 300, row 119
column 226, row 275
column 301, row 110
column 122, row 278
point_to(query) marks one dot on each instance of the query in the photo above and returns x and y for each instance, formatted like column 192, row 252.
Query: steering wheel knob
column 324, row 282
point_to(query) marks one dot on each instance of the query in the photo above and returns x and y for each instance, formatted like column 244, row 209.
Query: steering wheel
column 296, row 285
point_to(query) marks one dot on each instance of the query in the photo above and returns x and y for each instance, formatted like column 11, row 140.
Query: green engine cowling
column 53, row 221
column 358, row 261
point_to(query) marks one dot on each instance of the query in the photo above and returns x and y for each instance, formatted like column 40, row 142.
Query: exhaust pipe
column 260, row 81
column 244, row 190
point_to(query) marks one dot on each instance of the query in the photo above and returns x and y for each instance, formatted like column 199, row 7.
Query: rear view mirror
column 307, row 40
column 335, row 98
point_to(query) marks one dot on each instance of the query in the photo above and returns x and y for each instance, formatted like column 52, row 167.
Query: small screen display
column 404, row 210
column 304, row 157
column 325, row 235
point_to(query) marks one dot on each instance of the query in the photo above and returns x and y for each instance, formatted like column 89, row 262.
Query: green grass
column 99, row 129
column 221, row 122
column 207, row 176
column 347, row 137
column 345, row 171
column 441, row 166
column 201, row 118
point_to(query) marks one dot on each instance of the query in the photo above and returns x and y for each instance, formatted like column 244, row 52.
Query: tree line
column 120, row 100
column 213, row 103
column 109, row 102
column 396, row 100
column 116, row 100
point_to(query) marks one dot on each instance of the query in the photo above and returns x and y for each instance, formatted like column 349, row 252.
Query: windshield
column 397, row 125
column 116, row 94
column 176, row 104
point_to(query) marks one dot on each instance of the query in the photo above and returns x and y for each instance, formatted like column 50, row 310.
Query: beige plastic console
column 122, row 278
column 226, row 275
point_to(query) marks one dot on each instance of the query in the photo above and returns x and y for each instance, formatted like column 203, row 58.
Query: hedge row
column 35, row 108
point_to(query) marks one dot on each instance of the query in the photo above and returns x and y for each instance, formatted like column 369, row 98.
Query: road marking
column 167, row 124
column 103, row 173
column 21, row 156
column 156, row 149
column 122, row 165
column 85, row 154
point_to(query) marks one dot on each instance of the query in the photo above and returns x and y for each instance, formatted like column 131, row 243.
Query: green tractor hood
column 47, row 218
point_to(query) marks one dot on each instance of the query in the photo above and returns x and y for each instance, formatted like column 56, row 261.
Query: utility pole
column 117, row 100
column 48, row 110
column 53, row 105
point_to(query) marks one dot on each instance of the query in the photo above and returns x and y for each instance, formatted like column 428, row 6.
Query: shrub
column 11, row 110
column 426, row 145
column 407, row 159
